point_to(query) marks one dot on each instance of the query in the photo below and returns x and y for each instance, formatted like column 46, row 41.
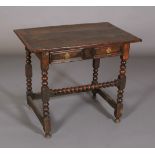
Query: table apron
column 83, row 54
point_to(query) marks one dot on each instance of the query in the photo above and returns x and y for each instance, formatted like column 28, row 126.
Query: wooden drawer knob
column 108, row 51
column 67, row 55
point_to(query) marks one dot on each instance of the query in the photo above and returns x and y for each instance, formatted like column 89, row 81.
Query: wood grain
column 57, row 38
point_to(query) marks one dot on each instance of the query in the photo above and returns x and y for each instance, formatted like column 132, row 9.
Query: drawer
column 65, row 56
column 87, row 53
column 108, row 50
column 101, row 51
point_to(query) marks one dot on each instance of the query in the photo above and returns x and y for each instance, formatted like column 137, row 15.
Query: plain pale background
column 136, row 20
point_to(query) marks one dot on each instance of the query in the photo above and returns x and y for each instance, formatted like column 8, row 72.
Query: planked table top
column 57, row 38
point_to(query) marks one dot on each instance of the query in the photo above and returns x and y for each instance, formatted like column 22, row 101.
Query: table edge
column 37, row 50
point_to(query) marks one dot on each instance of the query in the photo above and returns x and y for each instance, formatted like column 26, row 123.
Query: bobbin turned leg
column 96, row 64
column 122, row 82
column 45, row 93
column 28, row 73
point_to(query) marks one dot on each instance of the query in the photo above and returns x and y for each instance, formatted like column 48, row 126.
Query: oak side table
column 57, row 44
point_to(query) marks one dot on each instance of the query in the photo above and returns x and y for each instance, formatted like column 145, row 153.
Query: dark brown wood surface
column 57, row 38
column 57, row 44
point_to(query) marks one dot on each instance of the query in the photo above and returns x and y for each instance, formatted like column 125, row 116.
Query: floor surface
column 78, row 120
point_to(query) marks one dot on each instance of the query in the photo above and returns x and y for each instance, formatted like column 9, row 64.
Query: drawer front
column 88, row 53
column 65, row 56
column 102, row 51
column 108, row 50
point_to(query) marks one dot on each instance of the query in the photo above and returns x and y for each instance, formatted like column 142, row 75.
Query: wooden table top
column 57, row 38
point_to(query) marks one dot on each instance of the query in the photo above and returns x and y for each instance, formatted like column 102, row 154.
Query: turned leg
column 121, row 84
column 96, row 64
column 45, row 93
column 28, row 73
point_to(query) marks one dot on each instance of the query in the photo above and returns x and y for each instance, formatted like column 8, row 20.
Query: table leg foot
column 47, row 135
column 47, row 127
column 94, row 94
column 117, row 120
column 118, row 112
